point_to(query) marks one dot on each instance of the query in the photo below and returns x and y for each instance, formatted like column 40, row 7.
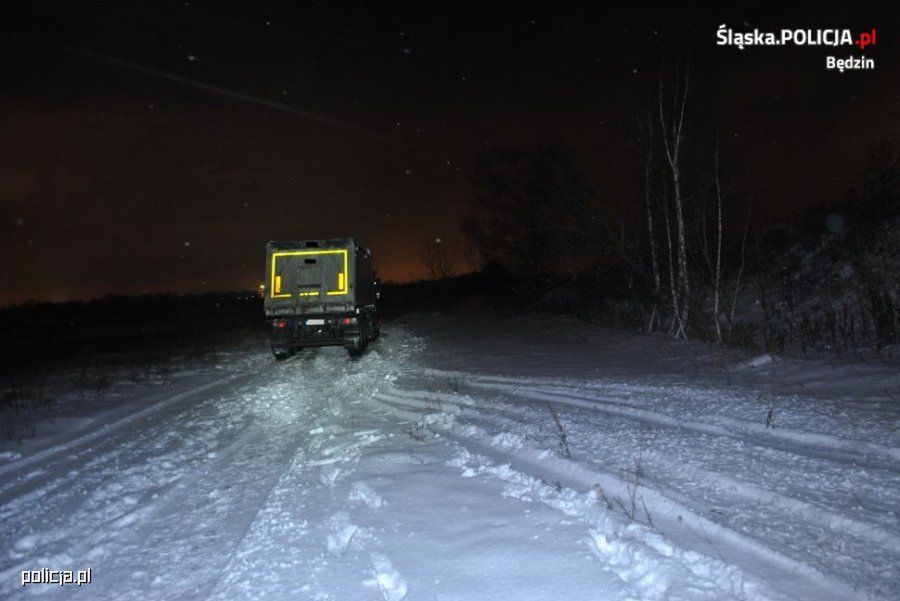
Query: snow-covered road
column 471, row 459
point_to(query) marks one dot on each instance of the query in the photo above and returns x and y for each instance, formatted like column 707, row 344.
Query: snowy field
column 467, row 458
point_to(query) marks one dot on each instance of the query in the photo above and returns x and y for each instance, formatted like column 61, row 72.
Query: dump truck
column 320, row 293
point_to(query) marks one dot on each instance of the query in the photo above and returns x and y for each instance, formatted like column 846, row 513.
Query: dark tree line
column 674, row 243
column 533, row 215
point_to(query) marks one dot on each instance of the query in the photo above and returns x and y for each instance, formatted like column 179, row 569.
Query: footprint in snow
column 329, row 475
column 365, row 493
column 386, row 578
column 342, row 532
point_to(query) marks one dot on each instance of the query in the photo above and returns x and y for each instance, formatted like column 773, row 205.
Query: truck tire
column 281, row 354
column 358, row 346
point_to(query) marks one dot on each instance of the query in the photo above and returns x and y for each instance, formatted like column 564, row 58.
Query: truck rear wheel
column 356, row 349
column 358, row 346
column 282, row 353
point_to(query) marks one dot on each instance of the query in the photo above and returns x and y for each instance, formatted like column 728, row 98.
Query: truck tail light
column 280, row 324
column 348, row 320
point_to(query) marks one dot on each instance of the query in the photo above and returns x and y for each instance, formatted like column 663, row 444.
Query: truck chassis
column 353, row 331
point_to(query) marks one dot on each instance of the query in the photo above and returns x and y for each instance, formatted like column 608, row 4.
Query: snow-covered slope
column 473, row 458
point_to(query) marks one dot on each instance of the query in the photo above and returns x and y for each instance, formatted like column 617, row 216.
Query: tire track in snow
column 87, row 467
column 217, row 503
column 748, row 491
column 129, row 487
column 106, row 431
column 691, row 528
column 815, row 444
column 310, row 503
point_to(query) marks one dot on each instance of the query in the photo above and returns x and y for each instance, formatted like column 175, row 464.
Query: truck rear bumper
column 308, row 343
column 319, row 330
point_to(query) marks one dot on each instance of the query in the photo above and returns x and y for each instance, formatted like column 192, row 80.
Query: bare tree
column 740, row 271
column 882, row 176
column 672, row 129
column 716, row 263
column 717, row 272
column 646, row 139
column 533, row 211
column 439, row 257
column 676, row 326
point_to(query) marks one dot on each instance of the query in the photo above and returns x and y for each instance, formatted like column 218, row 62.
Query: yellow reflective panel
column 342, row 280
column 276, row 283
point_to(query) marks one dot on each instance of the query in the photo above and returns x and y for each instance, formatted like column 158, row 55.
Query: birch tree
column 671, row 123
column 646, row 139
column 717, row 272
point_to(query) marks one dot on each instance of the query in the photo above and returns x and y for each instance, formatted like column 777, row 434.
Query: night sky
column 156, row 146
